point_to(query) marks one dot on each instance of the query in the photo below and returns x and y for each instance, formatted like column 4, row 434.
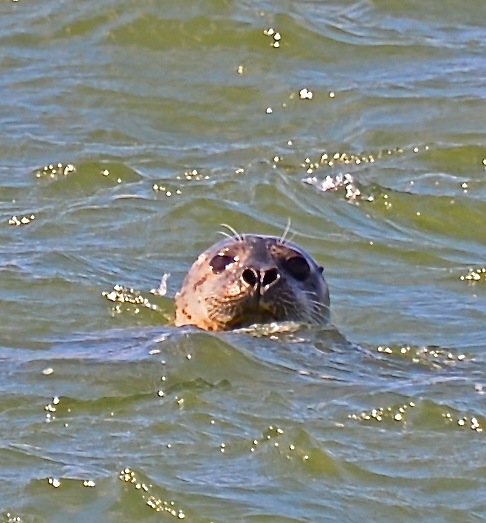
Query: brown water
column 130, row 131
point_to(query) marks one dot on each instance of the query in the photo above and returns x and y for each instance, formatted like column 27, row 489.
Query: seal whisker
column 313, row 301
column 320, row 314
column 319, row 310
column 312, row 296
column 283, row 237
column 234, row 234
column 226, row 234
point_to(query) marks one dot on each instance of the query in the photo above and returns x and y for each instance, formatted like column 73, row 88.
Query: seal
column 248, row 279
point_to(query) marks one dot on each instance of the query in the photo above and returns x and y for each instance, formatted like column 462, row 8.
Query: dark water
column 129, row 132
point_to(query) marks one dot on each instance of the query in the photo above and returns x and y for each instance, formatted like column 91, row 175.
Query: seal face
column 248, row 279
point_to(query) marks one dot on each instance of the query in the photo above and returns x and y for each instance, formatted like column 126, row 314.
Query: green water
column 130, row 131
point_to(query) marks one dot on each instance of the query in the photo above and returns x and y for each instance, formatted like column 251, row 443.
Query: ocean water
column 129, row 132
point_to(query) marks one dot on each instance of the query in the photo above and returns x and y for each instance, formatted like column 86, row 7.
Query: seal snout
column 260, row 279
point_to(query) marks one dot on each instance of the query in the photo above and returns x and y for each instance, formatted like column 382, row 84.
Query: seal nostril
column 269, row 277
column 250, row 276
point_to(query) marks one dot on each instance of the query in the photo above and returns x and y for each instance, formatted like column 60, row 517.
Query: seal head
column 248, row 279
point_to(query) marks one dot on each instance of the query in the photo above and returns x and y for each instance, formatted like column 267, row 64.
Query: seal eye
column 298, row 267
column 220, row 262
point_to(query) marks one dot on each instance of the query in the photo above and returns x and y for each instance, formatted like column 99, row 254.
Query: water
column 168, row 121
